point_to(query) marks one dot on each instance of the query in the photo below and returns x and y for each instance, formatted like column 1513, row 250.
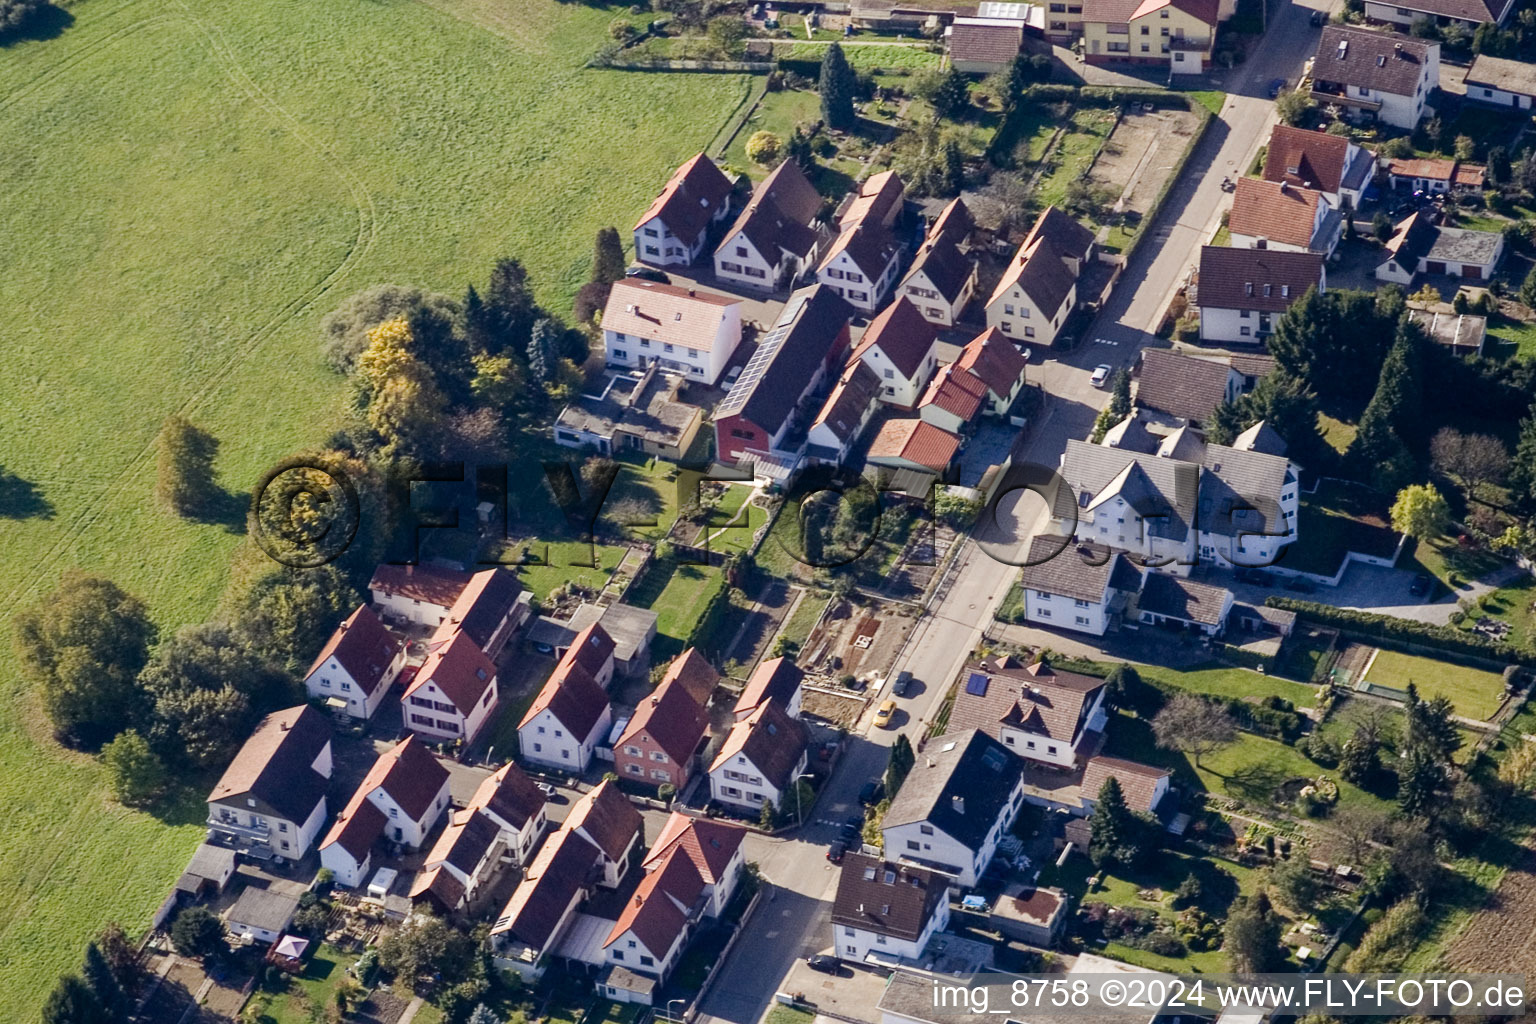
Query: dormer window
column 1248, row 289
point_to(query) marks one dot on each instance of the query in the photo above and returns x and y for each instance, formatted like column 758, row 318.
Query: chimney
column 930, row 762
column 958, row 802
column 655, row 700
column 691, row 293
column 1283, row 186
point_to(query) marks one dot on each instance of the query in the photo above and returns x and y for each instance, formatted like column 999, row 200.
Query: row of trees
column 103, row 991
column 88, row 646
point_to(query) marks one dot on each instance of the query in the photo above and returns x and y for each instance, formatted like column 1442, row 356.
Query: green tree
column 1421, row 512
column 1293, row 106
column 1381, row 226
column 1360, row 758
column 184, row 476
column 1295, row 883
column 1018, row 77
column 1498, row 169
column 290, row 613
column 1522, row 466
column 768, row 817
column 1251, row 937
column 1528, row 289
column 898, row 764
column 1431, row 726
column 1420, row 780
column 764, row 147
column 1335, row 342
column 98, row 976
column 510, row 309
column 484, row 1015
column 202, row 727
column 608, row 256
column 543, row 359
column 197, row 932
column 16, row 13
column 1123, row 684
column 84, row 644
column 1120, row 394
column 951, row 170
column 122, row 957
column 136, row 774
column 345, row 331
column 836, row 85
column 427, row 944
column 1116, row 833
column 1392, row 426
column 73, row 1002
column 403, row 404
column 1226, row 423
column 952, row 96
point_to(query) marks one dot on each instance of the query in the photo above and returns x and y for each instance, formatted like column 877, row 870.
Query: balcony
column 1331, row 92
column 252, row 833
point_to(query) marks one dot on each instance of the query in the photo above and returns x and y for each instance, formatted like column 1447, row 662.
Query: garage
column 1434, row 267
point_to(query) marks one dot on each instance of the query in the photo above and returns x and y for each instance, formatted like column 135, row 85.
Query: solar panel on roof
column 976, row 685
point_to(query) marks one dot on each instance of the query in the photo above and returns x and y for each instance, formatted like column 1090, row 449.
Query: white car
column 1101, row 375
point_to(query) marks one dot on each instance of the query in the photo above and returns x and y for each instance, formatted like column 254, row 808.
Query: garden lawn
column 314, row 989
column 1249, row 769
column 798, row 626
column 1334, row 521
column 1234, row 683
column 1475, row 693
column 1074, row 154
column 189, row 188
column 1449, row 562
column 868, row 58
column 678, row 594
column 1164, row 871
column 777, row 112
column 1508, row 338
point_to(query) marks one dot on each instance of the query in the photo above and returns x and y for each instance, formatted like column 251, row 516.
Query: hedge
column 714, row 613
column 1390, row 627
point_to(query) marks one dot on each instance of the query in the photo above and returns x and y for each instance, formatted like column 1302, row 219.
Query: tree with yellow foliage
column 404, row 404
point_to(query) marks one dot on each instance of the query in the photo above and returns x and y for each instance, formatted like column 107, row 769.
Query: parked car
column 729, row 380
column 547, row 789
column 1256, row 577
column 1276, row 86
column 1300, row 585
column 1101, row 375
column 1319, row 18
column 1026, row 352
column 872, row 793
column 884, row 714
column 902, row 684
column 824, row 963
column 645, row 273
column 852, row 834
column 1420, row 585
column 836, row 850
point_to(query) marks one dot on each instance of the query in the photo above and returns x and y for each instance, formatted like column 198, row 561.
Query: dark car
column 902, row 683
column 1275, row 85
column 836, row 850
column 872, row 793
column 1420, row 585
column 648, row 274
column 1257, row 577
column 1319, row 18
column 1301, row 586
column 824, row 963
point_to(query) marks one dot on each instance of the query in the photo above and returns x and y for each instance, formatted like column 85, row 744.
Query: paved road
column 795, row 921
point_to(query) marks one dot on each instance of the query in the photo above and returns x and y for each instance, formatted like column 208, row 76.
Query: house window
column 1007, row 309
column 1082, row 620
column 1146, row 30
column 620, row 354
column 912, row 845
column 650, row 232
column 650, row 250
column 741, row 250
column 618, row 954
column 646, row 961
column 634, row 769
column 1245, row 331
column 1080, row 603
column 926, row 830
column 1029, row 332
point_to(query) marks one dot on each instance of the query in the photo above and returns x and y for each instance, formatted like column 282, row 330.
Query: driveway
column 786, row 926
column 854, row 994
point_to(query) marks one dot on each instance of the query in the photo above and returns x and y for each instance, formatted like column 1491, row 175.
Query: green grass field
column 1074, row 154
column 190, row 187
column 1475, row 693
column 862, row 58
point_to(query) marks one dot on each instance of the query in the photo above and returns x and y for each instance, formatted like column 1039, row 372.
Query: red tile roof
column 993, row 360
column 693, row 672
column 409, row 774
column 483, row 605
column 956, row 392
column 657, row 914
column 459, row 668
column 1137, row 781
column 709, row 843
column 917, row 441
column 425, row 583
column 902, row 334
column 691, row 197
column 1268, row 280
column 1422, row 167
column 666, row 313
column 771, row 740
column 572, row 694
column 979, row 41
column 774, row 679
column 670, row 718
column 1207, row 11
column 591, row 649
column 1036, row 699
column 510, row 795
column 607, row 818
column 1274, row 210
column 362, row 646
column 563, row 866
column 1319, row 159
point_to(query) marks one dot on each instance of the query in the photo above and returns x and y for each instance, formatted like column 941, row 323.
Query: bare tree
column 1350, row 832
column 1194, row 726
column 1471, row 460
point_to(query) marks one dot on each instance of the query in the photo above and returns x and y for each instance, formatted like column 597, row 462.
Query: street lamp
column 670, row 1015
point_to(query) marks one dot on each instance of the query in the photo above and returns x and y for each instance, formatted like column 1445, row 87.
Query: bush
column 1161, row 943
column 764, row 147
column 197, row 932
column 1389, row 627
column 16, row 13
